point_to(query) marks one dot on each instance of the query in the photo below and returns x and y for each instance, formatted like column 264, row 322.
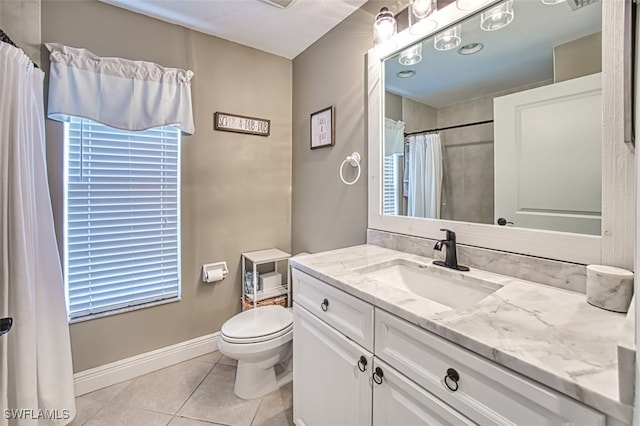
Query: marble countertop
column 548, row 334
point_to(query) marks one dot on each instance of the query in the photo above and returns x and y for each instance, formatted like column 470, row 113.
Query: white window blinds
column 122, row 245
column 392, row 194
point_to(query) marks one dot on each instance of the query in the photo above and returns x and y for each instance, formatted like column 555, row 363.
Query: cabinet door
column 399, row 401
column 328, row 386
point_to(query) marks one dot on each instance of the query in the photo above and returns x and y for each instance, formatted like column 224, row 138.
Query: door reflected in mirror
column 502, row 126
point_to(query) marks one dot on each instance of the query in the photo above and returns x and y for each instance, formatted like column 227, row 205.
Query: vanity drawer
column 346, row 313
column 487, row 393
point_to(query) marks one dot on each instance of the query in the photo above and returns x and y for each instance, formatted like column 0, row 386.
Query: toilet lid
column 258, row 322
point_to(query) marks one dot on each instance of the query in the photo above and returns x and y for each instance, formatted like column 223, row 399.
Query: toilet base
column 256, row 379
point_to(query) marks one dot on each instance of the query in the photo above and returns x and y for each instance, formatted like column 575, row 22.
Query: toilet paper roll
column 609, row 288
column 213, row 275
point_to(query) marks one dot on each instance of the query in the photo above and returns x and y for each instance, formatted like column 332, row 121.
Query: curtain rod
column 6, row 39
column 449, row 128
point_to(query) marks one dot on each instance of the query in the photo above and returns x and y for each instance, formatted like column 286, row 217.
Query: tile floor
column 198, row 392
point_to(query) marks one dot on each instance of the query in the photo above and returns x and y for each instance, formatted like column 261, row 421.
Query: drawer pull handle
column 451, row 379
column 324, row 305
column 362, row 363
column 377, row 375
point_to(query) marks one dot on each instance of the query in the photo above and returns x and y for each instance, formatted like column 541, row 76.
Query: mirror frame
column 615, row 245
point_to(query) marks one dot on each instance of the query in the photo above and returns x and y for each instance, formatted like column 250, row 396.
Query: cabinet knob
column 377, row 375
column 324, row 305
column 362, row 363
column 451, row 379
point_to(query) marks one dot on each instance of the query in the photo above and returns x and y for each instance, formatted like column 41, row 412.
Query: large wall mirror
column 495, row 129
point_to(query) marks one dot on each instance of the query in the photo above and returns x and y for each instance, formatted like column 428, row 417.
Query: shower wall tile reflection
column 418, row 116
column 468, row 156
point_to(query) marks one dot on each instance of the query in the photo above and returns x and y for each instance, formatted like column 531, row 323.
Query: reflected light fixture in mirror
column 448, row 39
column 497, row 17
column 470, row 4
column 552, row 2
column 384, row 26
column 420, row 11
column 411, row 55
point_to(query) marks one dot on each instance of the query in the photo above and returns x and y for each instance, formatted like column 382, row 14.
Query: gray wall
column 578, row 58
column 236, row 189
column 326, row 213
column 20, row 19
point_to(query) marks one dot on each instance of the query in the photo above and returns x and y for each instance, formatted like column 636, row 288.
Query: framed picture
column 322, row 128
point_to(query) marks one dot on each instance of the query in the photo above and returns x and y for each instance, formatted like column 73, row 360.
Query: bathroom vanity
column 379, row 339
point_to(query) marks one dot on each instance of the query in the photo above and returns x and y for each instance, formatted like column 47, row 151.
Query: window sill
column 124, row 310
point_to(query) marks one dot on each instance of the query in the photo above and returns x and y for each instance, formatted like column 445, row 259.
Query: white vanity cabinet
column 329, row 386
column 407, row 375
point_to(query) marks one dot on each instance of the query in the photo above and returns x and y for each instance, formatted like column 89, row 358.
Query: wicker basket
column 278, row 300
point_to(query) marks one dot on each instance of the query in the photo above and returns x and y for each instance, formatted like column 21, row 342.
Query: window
column 122, row 217
column 392, row 194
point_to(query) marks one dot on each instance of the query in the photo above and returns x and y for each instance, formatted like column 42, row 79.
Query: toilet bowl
column 260, row 339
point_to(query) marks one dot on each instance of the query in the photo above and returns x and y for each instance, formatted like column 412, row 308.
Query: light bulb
column 420, row 11
column 497, row 17
column 421, row 8
column 411, row 55
column 447, row 40
column 384, row 26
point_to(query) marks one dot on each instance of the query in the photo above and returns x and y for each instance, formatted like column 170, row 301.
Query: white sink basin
column 432, row 282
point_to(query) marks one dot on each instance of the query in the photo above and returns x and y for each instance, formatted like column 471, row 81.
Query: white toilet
column 260, row 339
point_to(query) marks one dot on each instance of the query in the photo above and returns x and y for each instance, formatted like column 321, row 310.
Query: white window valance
column 117, row 92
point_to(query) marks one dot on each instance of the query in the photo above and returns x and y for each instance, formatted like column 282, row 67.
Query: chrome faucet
column 451, row 256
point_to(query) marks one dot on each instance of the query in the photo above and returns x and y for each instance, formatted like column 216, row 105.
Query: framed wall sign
column 322, row 128
column 241, row 124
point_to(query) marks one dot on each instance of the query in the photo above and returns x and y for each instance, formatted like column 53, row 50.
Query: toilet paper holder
column 212, row 272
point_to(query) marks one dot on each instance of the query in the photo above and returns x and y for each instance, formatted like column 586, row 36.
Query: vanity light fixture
column 384, row 26
column 497, row 17
column 420, row 11
column 470, row 4
column 406, row 74
column 448, row 39
column 470, row 48
column 551, row 2
column 411, row 55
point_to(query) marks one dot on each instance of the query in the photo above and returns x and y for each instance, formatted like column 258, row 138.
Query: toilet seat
column 257, row 325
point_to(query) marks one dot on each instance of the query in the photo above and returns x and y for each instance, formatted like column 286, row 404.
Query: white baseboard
column 109, row 374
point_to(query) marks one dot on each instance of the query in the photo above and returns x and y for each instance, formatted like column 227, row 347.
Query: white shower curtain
column 36, row 376
column 425, row 175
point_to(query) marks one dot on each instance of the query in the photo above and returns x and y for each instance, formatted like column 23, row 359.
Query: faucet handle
column 451, row 236
column 438, row 245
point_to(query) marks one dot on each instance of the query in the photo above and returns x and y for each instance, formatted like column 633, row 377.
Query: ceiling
column 515, row 56
column 255, row 23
